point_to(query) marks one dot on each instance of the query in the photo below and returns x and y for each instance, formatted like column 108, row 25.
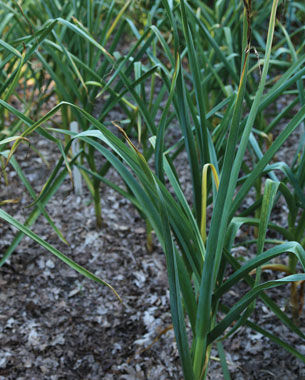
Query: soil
column 56, row 324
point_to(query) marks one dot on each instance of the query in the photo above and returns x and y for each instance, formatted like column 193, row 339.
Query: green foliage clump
column 211, row 70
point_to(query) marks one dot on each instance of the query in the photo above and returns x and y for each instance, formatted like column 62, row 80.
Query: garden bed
column 56, row 324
